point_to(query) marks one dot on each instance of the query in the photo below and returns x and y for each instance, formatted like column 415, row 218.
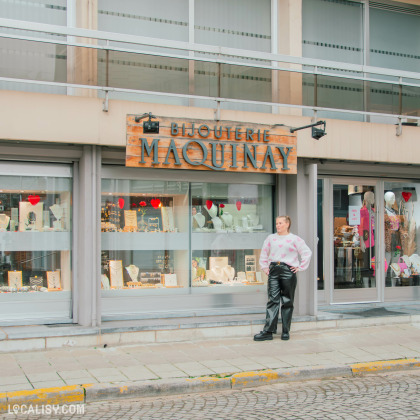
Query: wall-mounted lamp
column 317, row 133
column 149, row 126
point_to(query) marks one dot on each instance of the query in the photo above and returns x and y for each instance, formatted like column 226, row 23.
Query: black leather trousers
column 281, row 288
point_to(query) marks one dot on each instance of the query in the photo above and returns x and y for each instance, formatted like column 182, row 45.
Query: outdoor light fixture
column 317, row 133
column 148, row 126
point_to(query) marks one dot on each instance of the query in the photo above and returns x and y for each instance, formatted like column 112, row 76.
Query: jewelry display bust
column 133, row 272
column 253, row 219
column 212, row 211
column 200, row 219
column 227, row 219
column 217, row 223
column 229, row 273
column 57, row 211
column 245, row 223
column 4, row 222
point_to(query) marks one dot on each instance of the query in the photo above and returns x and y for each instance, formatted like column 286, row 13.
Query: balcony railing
column 64, row 60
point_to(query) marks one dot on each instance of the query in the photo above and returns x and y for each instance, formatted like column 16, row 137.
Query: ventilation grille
column 394, row 7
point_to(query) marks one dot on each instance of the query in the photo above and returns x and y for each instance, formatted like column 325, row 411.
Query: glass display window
column 145, row 234
column 229, row 225
column 401, row 220
column 35, row 234
column 354, row 237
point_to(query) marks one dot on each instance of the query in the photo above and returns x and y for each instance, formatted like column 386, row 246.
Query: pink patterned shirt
column 286, row 249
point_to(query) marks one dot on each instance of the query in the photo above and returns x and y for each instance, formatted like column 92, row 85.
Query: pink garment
column 394, row 222
column 365, row 226
column 286, row 249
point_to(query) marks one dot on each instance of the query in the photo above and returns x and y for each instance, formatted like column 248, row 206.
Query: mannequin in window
column 392, row 225
column 366, row 233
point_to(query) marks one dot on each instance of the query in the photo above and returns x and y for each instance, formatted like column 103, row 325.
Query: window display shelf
column 119, row 241
column 35, row 241
column 224, row 240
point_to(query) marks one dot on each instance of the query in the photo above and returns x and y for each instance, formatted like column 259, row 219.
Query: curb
column 385, row 365
column 81, row 394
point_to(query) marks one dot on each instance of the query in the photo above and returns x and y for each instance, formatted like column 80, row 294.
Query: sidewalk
column 91, row 374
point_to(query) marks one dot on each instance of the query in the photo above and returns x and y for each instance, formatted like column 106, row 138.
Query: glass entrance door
column 354, row 237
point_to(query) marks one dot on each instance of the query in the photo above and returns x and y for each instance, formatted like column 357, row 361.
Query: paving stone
column 16, row 387
column 13, row 380
column 70, row 374
column 48, row 384
column 42, row 377
column 137, row 373
column 81, row 381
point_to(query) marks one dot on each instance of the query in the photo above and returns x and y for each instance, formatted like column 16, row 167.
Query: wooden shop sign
column 209, row 145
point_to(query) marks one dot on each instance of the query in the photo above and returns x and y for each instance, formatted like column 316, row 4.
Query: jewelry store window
column 401, row 221
column 144, row 235
column 35, row 242
column 229, row 225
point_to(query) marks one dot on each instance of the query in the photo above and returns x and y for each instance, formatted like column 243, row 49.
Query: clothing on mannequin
column 392, row 222
column 366, row 231
column 367, row 222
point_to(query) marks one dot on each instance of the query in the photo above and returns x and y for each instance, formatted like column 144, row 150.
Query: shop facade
column 94, row 233
column 87, row 238
column 97, row 224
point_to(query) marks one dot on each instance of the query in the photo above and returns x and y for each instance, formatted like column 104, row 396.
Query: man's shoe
column 285, row 336
column 263, row 335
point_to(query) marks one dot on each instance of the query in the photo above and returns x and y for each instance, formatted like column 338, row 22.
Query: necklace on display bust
column 133, row 271
column 200, row 219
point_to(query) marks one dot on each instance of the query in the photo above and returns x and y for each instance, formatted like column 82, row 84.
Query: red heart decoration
column 209, row 203
column 406, row 195
column 121, row 203
column 155, row 202
column 238, row 205
column 34, row 199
